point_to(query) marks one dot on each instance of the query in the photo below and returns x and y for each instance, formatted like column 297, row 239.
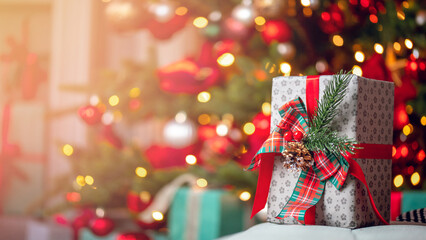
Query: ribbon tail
column 263, row 183
column 356, row 171
column 306, row 194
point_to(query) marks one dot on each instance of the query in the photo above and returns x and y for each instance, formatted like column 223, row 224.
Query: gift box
column 205, row 214
column 365, row 115
column 23, row 155
column 402, row 202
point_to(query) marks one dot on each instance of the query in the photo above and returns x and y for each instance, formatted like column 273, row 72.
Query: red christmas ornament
column 288, row 136
column 400, row 116
column 159, row 156
column 164, row 30
column 262, row 123
column 332, row 20
column 90, row 114
column 276, row 30
column 82, row 221
column 111, row 137
column 298, row 135
column 133, row 236
column 376, row 68
column 102, row 226
column 135, row 204
column 190, row 76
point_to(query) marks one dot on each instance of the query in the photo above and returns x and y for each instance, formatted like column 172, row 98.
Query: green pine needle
column 320, row 136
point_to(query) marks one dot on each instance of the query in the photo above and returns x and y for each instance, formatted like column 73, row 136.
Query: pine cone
column 297, row 156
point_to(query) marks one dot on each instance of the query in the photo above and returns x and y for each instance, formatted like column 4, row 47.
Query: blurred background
column 109, row 107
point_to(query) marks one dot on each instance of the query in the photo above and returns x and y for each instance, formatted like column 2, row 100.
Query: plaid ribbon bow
column 310, row 185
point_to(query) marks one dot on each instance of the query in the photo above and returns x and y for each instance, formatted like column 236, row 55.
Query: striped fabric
column 417, row 215
column 310, row 185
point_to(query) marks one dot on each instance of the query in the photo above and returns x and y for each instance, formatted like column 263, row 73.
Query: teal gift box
column 205, row 214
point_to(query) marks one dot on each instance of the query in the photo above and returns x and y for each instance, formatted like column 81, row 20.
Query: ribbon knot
column 310, row 185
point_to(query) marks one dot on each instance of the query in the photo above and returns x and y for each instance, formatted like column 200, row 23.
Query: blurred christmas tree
column 213, row 109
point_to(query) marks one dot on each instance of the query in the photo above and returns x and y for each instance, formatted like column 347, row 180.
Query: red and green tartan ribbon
column 310, row 185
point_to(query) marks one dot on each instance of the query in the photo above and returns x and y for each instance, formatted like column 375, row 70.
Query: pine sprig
column 333, row 96
column 320, row 136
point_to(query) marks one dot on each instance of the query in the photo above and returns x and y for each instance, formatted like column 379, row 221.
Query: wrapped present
column 402, row 202
column 311, row 184
column 22, row 155
column 204, row 214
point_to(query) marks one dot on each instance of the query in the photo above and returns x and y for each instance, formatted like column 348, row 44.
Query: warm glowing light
column 89, row 180
column 201, row 182
column 404, row 151
column 421, row 155
column 94, row 100
column 157, row 216
column 203, row 97
column 113, row 100
column 73, row 197
column 357, row 70
column 408, row 43
column 249, row 128
column 401, row 15
column 405, row 4
column 134, row 92
column 226, row 59
column 259, row 20
column 378, row 48
column 393, row 151
column 180, row 117
column 285, row 68
column 100, row 212
column 191, row 159
column 118, row 116
column 423, row 120
column 338, row 40
column 305, row 3
column 68, row 150
column 373, row 18
column 398, row 180
column 407, row 130
column 397, row 46
column 245, row 196
column 145, row 196
column 359, row 56
column 200, row 22
column 222, row 130
column 409, row 109
column 415, row 178
column 181, row 11
column 307, row 12
column 141, row 172
column 107, row 118
column 266, row 108
column 204, row 119
column 80, row 180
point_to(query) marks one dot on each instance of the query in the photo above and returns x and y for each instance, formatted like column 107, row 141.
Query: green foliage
column 320, row 136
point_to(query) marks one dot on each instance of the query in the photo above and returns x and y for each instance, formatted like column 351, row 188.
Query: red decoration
column 298, row 135
column 406, row 91
column 262, row 124
column 276, row 30
column 376, row 68
column 133, row 236
column 102, row 226
column 190, row 76
column 135, row 204
column 332, row 20
column 111, row 137
column 400, row 117
column 159, row 156
column 90, row 114
column 82, row 221
column 288, row 136
column 164, row 30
